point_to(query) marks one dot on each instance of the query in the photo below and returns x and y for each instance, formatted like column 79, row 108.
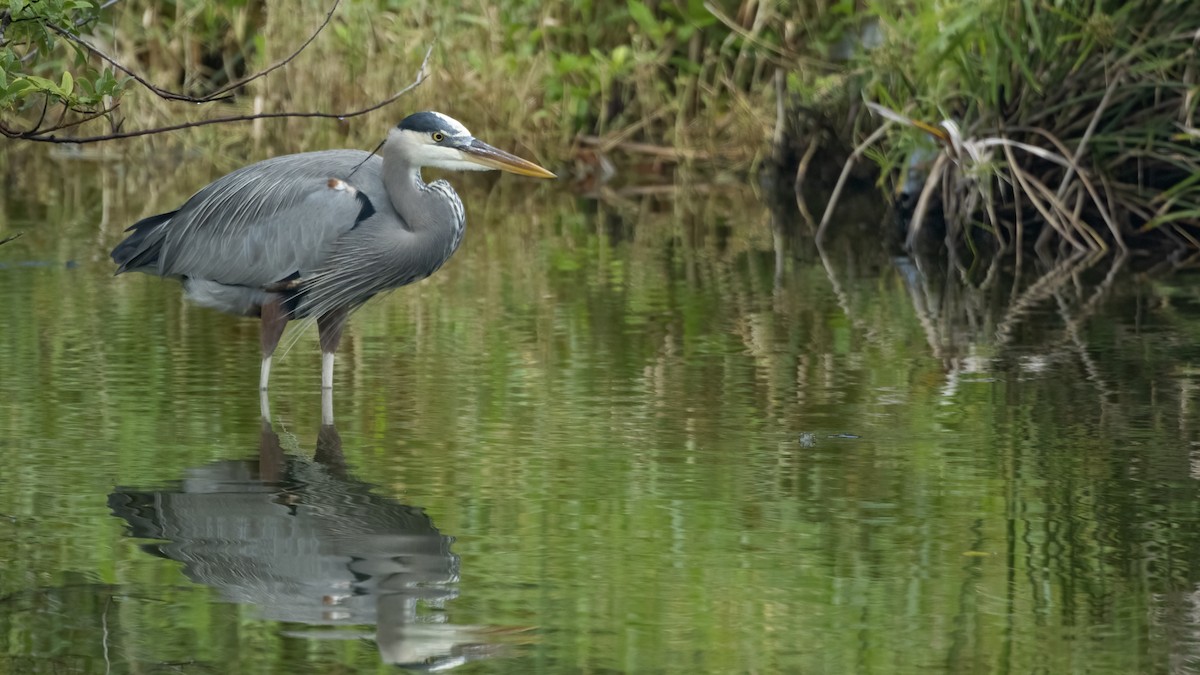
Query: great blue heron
column 318, row 233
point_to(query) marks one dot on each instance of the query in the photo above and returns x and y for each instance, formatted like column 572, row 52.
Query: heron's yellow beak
column 483, row 154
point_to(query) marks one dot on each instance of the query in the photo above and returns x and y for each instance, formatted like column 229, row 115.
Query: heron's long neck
column 405, row 189
column 432, row 212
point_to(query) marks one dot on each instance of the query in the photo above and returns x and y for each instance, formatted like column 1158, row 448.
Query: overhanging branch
column 43, row 137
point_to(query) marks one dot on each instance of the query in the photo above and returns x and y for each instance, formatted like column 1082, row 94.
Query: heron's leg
column 329, row 326
column 274, row 319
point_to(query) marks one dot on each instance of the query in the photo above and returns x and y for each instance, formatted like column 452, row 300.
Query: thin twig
column 801, row 175
column 841, row 183
column 1087, row 135
column 422, row 74
column 922, row 207
column 276, row 66
column 221, row 94
column 158, row 91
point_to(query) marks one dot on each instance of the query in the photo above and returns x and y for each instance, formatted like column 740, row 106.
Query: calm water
column 655, row 434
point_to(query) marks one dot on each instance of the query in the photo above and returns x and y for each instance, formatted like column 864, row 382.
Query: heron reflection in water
column 305, row 542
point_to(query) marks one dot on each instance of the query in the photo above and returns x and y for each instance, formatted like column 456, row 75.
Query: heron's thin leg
column 274, row 319
column 330, row 327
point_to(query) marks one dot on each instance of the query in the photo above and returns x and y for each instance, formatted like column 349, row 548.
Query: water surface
column 650, row 434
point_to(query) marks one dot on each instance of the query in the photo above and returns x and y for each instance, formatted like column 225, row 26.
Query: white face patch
column 458, row 129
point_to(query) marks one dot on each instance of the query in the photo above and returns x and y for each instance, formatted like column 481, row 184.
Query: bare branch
column 89, row 115
column 279, row 64
column 221, row 94
column 158, row 91
column 36, row 135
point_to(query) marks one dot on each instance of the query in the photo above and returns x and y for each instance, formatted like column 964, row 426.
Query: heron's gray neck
column 405, row 188
column 431, row 211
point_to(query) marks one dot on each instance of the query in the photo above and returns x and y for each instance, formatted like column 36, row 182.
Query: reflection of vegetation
column 604, row 407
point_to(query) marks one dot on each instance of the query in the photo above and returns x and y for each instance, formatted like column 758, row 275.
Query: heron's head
column 436, row 140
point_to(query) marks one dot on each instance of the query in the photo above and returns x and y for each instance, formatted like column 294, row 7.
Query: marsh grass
column 1069, row 126
column 540, row 76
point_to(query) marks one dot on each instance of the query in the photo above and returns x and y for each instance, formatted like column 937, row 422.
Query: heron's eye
column 438, row 137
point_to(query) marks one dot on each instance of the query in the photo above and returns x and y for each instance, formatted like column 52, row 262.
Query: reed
column 1069, row 124
column 1066, row 126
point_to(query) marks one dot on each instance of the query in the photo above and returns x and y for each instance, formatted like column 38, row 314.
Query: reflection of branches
column 35, row 135
column 1040, row 290
column 843, row 298
column 44, row 134
column 1074, row 323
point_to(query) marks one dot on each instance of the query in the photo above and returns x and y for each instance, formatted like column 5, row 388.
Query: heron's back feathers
column 260, row 223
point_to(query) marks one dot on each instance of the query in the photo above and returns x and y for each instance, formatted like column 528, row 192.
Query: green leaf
column 41, row 83
column 19, row 85
column 68, row 83
column 645, row 20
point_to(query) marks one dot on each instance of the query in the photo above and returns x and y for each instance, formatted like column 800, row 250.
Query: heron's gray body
column 301, row 226
column 319, row 233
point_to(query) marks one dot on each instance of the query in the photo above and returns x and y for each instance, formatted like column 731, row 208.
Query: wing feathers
column 268, row 220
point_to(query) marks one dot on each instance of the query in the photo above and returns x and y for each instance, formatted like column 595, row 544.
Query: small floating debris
column 808, row 439
column 844, row 436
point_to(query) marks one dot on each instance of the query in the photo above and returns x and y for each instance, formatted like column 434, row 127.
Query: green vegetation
column 1075, row 119
column 1078, row 115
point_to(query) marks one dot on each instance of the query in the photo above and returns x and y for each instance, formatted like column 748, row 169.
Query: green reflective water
column 660, row 434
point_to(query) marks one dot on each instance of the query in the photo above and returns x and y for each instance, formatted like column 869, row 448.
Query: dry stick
column 780, row 113
column 156, row 90
column 1086, row 182
column 736, row 29
column 797, row 185
column 663, row 152
column 989, row 208
column 1021, row 179
column 86, row 118
column 1184, row 233
column 1188, row 111
column 279, row 64
column 1087, row 135
column 1019, row 235
column 1061, row 208
column 931, row 182
column 422, row 74
column 841, row 183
